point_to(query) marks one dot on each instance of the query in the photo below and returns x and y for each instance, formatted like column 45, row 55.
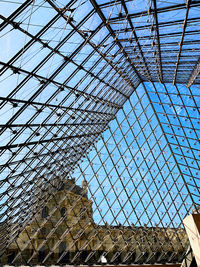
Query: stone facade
column 64, row 231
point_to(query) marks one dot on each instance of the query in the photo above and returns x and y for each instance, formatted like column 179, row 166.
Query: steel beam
column 182, row 39
column 194, row 74
column 159, row 63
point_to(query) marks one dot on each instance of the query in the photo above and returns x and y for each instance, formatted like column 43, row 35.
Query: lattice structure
column 100, row 128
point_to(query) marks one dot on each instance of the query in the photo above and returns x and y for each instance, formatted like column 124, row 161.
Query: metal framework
column 106, row 92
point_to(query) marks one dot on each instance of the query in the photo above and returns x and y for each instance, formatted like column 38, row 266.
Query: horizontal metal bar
column 8, row 147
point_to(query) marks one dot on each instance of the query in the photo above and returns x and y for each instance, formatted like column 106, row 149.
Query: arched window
column 62, row 247
column 155, row 239
column 83, row 213
column 11, row 256
column 63, row 211
column 43, row 231
column 62, row 253
column 84, row 255
column 41, row 254
column 45, row 212
column 61, row 186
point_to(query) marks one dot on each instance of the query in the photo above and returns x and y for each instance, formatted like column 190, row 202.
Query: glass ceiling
column 106, row 92
column 137, row 173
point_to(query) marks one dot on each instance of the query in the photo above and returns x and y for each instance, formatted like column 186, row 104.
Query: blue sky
column 143, row 161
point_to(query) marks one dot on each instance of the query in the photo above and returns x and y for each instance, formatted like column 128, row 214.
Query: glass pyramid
column 100, row 129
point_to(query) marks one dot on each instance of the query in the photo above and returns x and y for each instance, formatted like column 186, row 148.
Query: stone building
column 64, row 231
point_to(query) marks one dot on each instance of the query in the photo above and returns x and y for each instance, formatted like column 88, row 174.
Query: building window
column 63, row 211
column 43, row 231
column 62, row 247
column 11, row 256
column 45, row 212
column 83, row 213
column 61, row 186
column 41, row 254
column 155, row 239
column 84, row 255
column 63, row 254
